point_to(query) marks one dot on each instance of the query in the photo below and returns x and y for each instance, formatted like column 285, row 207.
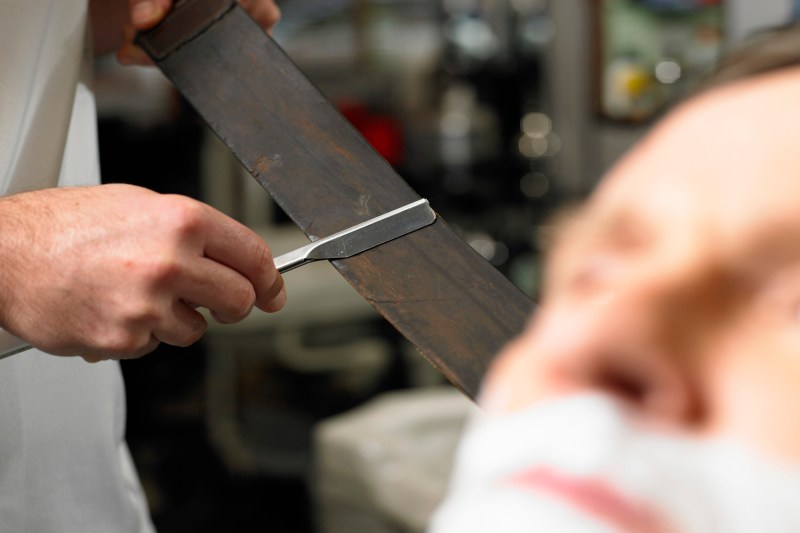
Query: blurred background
column 322, row 418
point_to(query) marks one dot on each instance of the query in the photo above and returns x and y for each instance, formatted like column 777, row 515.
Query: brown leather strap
column 438, row 292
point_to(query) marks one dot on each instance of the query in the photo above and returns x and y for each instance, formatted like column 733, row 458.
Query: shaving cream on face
column 677, row 483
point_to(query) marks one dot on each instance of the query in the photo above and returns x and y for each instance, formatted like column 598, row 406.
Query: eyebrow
column 577, row 225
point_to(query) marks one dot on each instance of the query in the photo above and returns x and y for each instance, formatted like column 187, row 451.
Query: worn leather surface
column 439, row 293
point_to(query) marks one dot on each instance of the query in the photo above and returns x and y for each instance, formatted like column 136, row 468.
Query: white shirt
column 64, row 464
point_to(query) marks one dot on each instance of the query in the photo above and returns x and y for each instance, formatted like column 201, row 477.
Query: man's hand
column 112, row 32
column 110, row 271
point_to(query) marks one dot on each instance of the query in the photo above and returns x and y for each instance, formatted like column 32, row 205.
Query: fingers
column 129, row 53
column 275, row 296
column 225, row 292
column 265, row 12
column 237, row 247
column 144, row 14
column 179, row 326
column 182, row 326
column 132, row 350
column 200, row 282
column 147, row 13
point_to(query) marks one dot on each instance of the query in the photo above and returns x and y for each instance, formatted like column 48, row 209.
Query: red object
column 382, row 132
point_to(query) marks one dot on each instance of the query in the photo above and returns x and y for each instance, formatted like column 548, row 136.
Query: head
column 657, row 388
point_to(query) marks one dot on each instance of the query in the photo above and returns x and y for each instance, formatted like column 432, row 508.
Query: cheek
column 755, row 395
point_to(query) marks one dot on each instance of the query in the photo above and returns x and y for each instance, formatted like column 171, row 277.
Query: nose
column 637, row 346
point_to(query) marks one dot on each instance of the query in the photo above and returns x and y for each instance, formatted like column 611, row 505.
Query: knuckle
column 191, row 334
column 240, row 303
column 243, row 304
column 161, row 271
column 184, row 216
column 128, row 331
column 121, row 342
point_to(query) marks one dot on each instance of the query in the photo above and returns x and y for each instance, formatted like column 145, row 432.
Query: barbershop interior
column 323, row 418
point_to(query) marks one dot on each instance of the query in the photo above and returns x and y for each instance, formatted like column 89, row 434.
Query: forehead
column 726, row 163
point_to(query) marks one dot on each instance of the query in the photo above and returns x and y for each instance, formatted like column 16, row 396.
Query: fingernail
column 278, row 286
column 275, row 297
column 144, row 13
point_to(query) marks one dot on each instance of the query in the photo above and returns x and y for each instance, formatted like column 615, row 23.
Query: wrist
column 16, row 237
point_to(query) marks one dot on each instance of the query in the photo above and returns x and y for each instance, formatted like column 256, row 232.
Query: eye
column 591, row 250
column 590, row 275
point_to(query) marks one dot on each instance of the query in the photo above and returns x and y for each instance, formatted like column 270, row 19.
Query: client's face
column 657, row 389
